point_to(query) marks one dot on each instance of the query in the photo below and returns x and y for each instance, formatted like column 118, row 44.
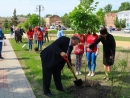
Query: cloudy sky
column 59, row 7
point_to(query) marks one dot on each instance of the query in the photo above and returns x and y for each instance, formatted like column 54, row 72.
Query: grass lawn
column 31, row 64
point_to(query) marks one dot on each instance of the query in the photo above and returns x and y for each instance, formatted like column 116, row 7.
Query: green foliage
column 101, row 15
column 43, row 22
column 48, row 15
column 5, row 24
column 20, row 25
column 26, row 25
column 33, row 20
column 15, row 18
column 82, row 19
column 108, row 8
column 120, row 23
column 65, row 20
column 124, row 6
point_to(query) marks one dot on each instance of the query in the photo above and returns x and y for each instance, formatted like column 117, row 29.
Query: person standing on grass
column 30, row 37
column 78, row 51
column 39, row 39
column 46, row 33
column 60, row 32
column 109, row 46
column 1, row 41
column 91, row 54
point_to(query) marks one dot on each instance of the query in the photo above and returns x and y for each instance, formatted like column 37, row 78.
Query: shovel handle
column 72, row 70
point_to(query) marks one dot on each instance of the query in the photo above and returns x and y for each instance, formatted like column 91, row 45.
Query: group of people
column 52, row 57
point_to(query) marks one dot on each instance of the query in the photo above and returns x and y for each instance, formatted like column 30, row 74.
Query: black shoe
column 50, row 95
column 1, row 58
column 63, row 90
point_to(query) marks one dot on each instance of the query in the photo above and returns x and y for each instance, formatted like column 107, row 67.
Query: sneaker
column 79, row 73
column 92, row 74
column 89, row 74
column 76, row 73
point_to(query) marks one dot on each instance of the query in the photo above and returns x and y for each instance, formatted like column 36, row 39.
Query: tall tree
column 48, row 15
column 108, row 8
column 82, row 19
column 120, row 23
column 101, row 15
column 14, row 18
column 65, row 20
column 124, row 6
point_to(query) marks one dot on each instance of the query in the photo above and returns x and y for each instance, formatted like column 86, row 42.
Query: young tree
column 120, row 23
column 82, row 19
column 108, row 8
column 33, row 20
column 5, row 24
column 14, row 18
column 101, row 15
column 65, row 20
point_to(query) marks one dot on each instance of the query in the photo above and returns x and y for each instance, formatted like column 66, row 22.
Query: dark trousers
column 46, row 37
column 0, row 49
column 47, row 73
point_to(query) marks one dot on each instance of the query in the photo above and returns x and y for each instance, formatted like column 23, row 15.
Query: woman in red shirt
column 30, row 38
column 91, row 54
column 78, row 51
column 46, row 33
column 39, row 39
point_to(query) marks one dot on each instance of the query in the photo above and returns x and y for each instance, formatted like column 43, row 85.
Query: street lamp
column 39, row 8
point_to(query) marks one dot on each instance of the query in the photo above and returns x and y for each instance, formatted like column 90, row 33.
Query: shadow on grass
column 17, row 58
column 125, row 51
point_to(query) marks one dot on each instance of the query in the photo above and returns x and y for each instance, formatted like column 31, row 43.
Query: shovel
column 77, row 82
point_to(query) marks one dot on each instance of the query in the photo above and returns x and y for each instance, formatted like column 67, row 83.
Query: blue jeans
column 39, row 43
column 91, row 57
column 11, row 33
column 30, row 44
column 0, row 49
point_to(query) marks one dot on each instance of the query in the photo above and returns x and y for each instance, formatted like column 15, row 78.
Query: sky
column 57, row 7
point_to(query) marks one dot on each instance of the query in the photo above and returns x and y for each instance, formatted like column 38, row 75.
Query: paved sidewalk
column 13, row 82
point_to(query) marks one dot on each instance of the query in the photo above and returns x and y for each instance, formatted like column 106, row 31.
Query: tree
column 43, row 22
column 108, row 8
column 14, row 18
column 5, row 24
column 48, row 15
column 65, row 20
column 26, row 25
column 33, row 20
column 120, row 23
column 101, row 15
column 28, row 15
column 82, row 19
column 124, row 6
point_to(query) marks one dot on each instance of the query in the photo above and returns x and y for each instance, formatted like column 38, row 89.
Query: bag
column 79, row 49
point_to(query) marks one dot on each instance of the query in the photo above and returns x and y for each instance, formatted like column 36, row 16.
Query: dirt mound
column 89, row 89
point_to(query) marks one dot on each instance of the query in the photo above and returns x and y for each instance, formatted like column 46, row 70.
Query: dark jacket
column 1, row 34
column 109, row 44
column 51, row 55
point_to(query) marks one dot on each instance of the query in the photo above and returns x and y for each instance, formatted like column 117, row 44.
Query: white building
column 124, row 15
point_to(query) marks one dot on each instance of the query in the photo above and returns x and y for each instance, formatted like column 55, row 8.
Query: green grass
column 7, row 31
column 120, row 38
column 31, row 64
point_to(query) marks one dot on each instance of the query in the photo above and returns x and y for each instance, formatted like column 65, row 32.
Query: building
column 124, row 15
column 109, row 20
column 52, row 20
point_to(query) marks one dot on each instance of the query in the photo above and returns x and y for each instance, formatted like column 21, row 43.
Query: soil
column 89, row 89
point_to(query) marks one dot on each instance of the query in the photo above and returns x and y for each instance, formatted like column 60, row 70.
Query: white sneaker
column 92, row 74
column 89, row 74
column 76, row 73
column 79, row 73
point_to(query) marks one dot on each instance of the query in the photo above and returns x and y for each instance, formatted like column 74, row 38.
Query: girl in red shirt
column 91, row 54
column 78, row 51
column 39, row 39
column 30, row 38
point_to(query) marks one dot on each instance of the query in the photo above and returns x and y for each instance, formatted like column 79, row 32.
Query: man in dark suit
column 53, row 62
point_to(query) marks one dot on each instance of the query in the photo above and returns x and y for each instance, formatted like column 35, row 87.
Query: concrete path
column 13, row 82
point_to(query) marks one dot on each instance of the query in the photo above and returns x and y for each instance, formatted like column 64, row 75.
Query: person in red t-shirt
column 46, row 33
column 35, row 34
column 39, row 39
column 30, row 38
column 78, row 51
column 91, row 54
